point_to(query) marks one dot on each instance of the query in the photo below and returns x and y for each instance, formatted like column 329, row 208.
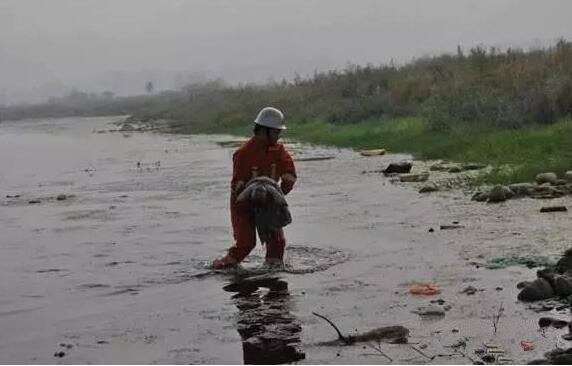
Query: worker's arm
column 288, row 171
column 240, row 173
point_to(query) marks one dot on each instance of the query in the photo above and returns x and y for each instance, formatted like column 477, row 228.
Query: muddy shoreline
column 117, row 269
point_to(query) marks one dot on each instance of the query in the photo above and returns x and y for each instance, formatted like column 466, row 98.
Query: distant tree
column 107, row 95
column 149, row 87
column 460, row 53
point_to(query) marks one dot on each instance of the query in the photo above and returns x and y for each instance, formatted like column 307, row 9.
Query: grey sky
column 49, row 45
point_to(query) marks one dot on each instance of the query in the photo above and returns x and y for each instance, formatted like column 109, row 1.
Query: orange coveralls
column 249, row 161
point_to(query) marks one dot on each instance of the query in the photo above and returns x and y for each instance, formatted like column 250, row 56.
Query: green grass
column 516, row 155
column 508, row 108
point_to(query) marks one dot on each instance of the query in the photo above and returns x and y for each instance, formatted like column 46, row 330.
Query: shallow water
column 118, row 269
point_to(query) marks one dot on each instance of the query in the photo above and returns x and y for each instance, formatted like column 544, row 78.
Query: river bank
column 116, row 271
column 515, row 156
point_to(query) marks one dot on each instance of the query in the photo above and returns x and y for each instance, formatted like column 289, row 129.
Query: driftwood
column 554, row 209
column 451, row 227
column 315, row 158
column 391, row 334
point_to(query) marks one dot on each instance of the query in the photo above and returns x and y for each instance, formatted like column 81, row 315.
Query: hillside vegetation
column 510, row 108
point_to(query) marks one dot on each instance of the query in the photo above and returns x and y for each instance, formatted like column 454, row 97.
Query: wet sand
column 115, row 273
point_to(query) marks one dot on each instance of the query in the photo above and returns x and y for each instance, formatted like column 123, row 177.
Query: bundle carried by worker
column 269, row 206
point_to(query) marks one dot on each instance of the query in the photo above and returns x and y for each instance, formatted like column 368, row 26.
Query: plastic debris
column 426, row 289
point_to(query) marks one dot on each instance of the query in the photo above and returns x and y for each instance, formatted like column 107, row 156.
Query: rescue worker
column 261, row 155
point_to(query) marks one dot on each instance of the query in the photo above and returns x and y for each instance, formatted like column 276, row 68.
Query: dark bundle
column 269, row 205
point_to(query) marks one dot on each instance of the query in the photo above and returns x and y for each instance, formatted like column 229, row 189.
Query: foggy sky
column 51, row 45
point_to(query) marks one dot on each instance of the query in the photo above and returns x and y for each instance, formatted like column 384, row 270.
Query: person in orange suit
column 261, row 155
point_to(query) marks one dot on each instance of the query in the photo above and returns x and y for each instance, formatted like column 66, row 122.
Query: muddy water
column 115, row 273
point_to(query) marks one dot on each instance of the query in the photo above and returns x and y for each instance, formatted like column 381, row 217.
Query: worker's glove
column 286, row 186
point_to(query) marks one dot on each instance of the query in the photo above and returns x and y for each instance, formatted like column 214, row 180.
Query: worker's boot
column 224, row 262
column 275, row 264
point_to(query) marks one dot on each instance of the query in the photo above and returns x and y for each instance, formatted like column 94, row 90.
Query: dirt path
column 116, row 270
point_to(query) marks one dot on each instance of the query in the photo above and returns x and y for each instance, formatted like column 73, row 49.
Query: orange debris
column 528, row 346
column 425, row 289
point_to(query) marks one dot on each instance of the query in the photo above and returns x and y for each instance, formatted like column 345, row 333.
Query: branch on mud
column 346, row 340
column 431, row 358
column 379, row 350
column 391, row 334
column 496, row 317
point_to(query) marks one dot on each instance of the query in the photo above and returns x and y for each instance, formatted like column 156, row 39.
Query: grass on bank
column 516, row 155
column 500, row 107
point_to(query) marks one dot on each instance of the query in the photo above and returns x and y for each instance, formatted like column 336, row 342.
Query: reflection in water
column 270, row 334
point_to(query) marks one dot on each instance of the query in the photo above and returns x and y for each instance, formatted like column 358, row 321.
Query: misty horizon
column 48, row 48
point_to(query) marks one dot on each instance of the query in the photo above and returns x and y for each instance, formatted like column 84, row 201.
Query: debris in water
column 373, row 152
column 461, row 343
column 402, row 167
column 470, row 290
column 493, row 354
column 431, row 310
column 554, row 209
column 548, row 321
column 315, row 158
column 438, row 301
column 527, row 346
column 422, row 177
column 392, row 334
column 451, row 227
column 425, row 289
column 529, row 261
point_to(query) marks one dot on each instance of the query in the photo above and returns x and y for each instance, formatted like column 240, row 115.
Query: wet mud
column 118, row 269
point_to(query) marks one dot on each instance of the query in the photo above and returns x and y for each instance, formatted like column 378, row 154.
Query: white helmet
column 270, row 117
